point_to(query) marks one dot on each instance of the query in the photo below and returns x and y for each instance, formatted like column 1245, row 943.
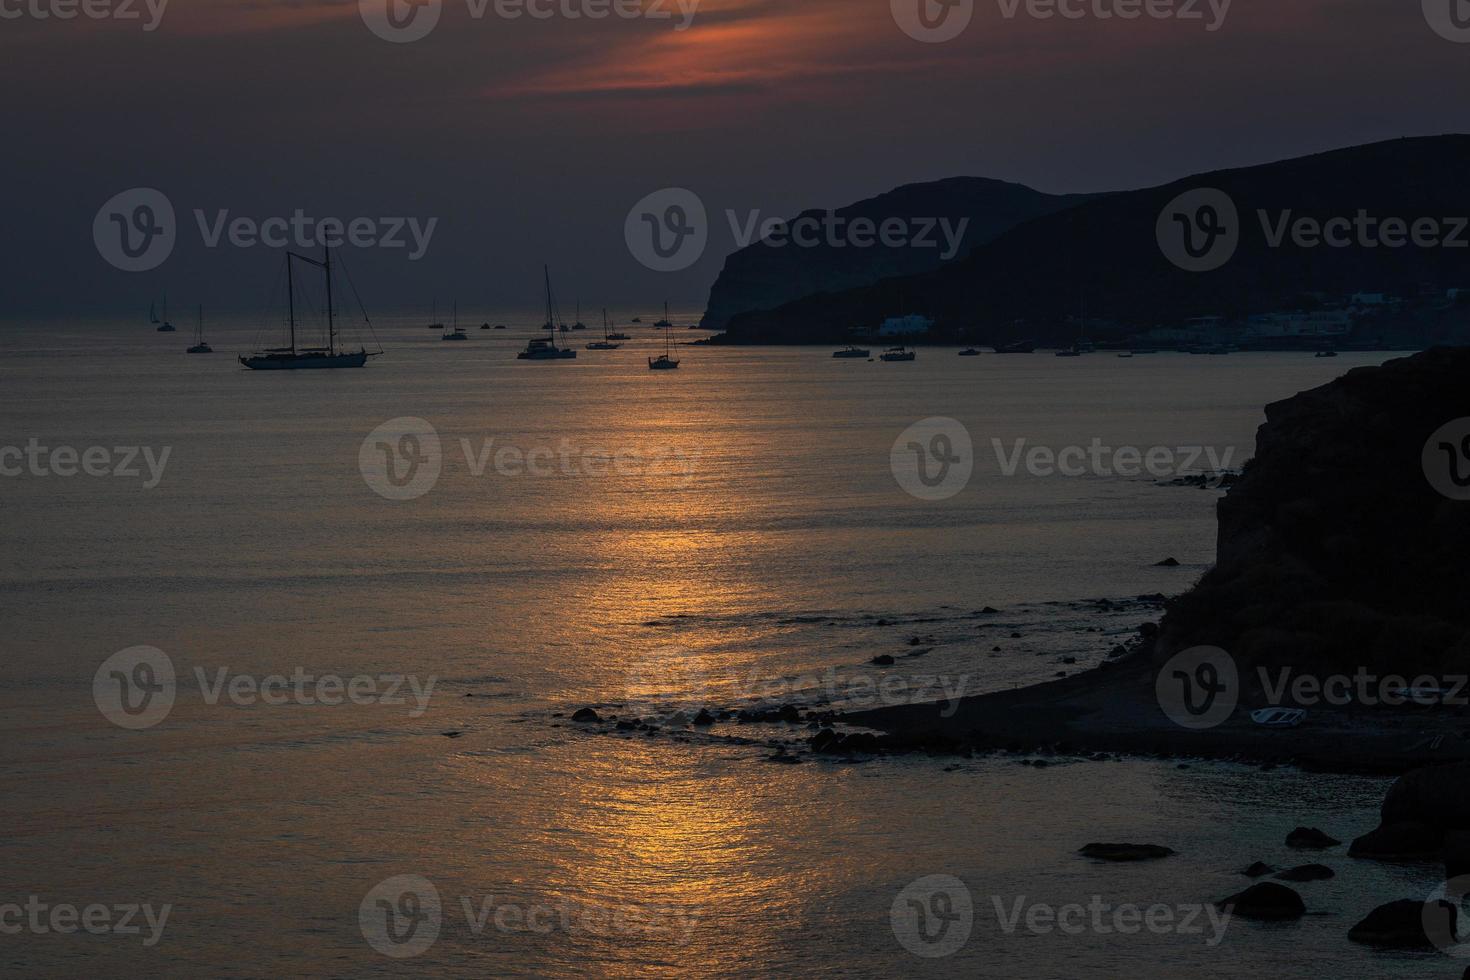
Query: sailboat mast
column 291, row 300
column 331, row 327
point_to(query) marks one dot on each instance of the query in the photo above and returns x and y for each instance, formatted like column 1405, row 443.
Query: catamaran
column 292, row 357
column 606, row 342
column 545, row 349
column 200, row 347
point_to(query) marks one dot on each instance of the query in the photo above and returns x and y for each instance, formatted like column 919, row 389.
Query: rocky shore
column 1336, row 557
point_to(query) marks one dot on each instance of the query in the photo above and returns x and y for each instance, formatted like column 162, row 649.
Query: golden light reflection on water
column 677, row 841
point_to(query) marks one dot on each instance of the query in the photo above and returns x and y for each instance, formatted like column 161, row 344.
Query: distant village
column 1363, row 320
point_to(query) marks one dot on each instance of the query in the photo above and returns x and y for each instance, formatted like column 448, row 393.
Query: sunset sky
column 530, row 139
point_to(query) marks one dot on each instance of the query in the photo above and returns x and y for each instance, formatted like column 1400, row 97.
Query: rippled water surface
column 729, row 534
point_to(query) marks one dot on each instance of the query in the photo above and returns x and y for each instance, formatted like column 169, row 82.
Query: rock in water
column 1408, row 924
column 1310, row 838
column 586, row 715
column 1257, row 870
column 704, row 718
column 882, row 660
column 1167, row 563
column 1307, row 872
column 1266, row 900
column 1126, row 852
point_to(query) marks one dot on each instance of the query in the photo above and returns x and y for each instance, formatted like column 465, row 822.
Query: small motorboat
column 1072, row 351
column 1278, row 717
column 969, row 352
column 500, row 326
column 899, row 354
column 851, row 351
column 1126, row 353
column 1326, row 353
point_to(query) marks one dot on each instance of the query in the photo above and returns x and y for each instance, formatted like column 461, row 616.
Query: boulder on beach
column 1310, row 838
column 1307, row 872
column 1405, row 841
column 1407, row 924
column 1126, row 852
column 1265, row 900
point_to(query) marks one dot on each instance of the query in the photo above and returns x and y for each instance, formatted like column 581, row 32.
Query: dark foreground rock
column 1267, row 901
column 1126, row 852
column 1407, row 924
column 1307, row 872
column 585, row 715
column 1335, row 552
column 1406, row 841
column 1310, row 838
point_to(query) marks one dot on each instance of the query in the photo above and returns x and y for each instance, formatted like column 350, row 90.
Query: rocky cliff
column 1335, row 552
column 763, row 276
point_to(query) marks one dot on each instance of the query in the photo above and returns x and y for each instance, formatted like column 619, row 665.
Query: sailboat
column 200, row 347
column 606, row 342
column 577, row 323
column 545, row 349
column 458, row 332
column 165, row 326
column 299, row 358
column 664, row 323
column 663, row 362
column 434, row 323
column 152, row 313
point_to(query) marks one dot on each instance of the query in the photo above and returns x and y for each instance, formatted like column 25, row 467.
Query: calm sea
column 593, row 533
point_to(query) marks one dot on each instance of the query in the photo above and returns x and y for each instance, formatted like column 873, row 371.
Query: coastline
column 1113, row 709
